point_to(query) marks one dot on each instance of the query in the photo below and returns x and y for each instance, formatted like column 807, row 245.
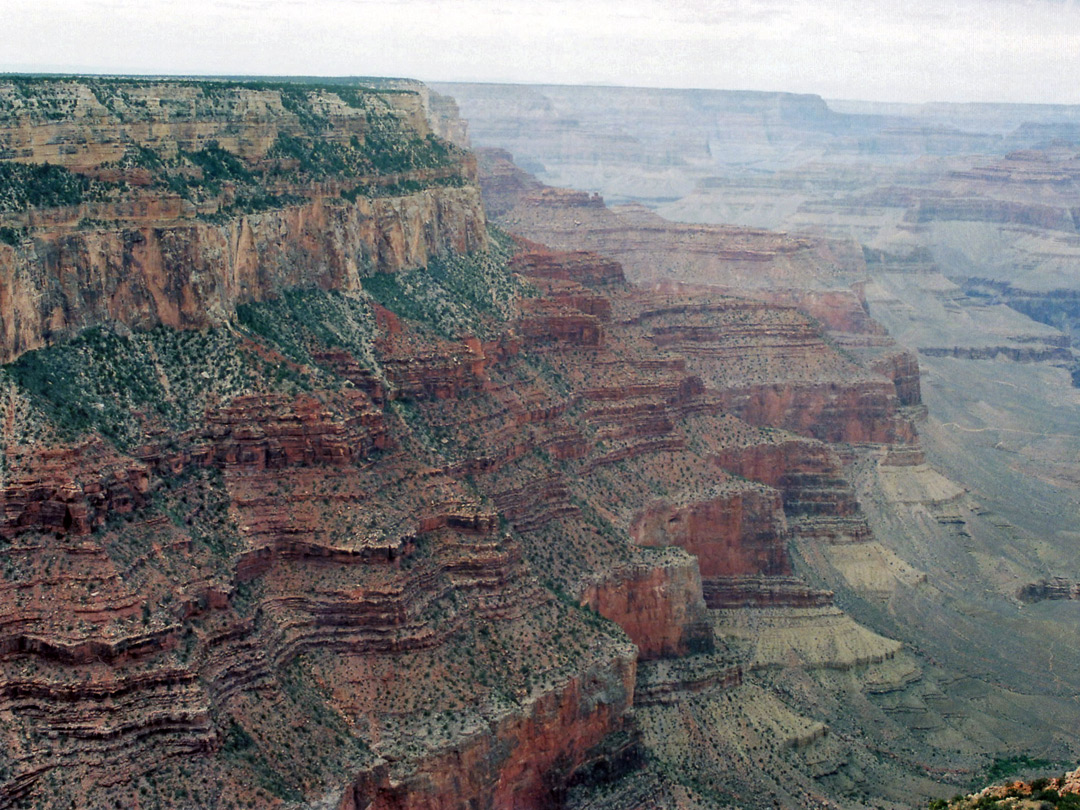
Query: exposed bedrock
column 184, row 199
column 768, row 367
column 773, row 367
column 521, row 759
column 1053, row 588
column 818, row 499
column 80, row 124
column 193, row 274
column 658, row 603
column 763, row 592
column 733, row 534
column 832, row 412
column 72, row 490
column 902, row 367
column 584, row 267
column 268, row 432
column 404, row 558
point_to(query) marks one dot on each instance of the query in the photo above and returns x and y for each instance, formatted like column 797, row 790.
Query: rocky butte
column 321, row 490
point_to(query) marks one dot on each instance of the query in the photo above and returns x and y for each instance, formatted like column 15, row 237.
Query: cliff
column 220, row 194
column 348, row 500
column 956, row 236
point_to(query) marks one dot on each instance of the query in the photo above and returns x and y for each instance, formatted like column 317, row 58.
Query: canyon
column 346, row 466
column 951, row 226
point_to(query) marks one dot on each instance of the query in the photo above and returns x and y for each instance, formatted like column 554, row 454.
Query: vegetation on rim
column 342, row 132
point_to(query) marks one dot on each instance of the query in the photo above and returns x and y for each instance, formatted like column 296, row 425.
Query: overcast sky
column 884, row 50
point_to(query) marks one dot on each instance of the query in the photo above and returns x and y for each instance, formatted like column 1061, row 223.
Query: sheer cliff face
column 191, row 274
column 185, row 199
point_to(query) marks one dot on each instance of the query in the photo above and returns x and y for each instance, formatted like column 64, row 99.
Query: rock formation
column 319, row 492
column 238, row 201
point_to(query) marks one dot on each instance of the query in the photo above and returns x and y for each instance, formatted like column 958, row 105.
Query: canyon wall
column 343, row 499
column 217, row 194
column 193, row 274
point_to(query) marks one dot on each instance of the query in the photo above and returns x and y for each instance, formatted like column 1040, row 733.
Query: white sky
column 883, row 50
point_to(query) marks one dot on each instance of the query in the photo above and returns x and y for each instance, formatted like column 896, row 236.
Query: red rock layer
column 272, row 432
column 520, row 760
column 818, row 500
column 762, row 592
column 72, row 490
column 582, row 267
column 368, row 537
column 827, row 411
column 193, row 274
column 738, row 533
column 659, row 605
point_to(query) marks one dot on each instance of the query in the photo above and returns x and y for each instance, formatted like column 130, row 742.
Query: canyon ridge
column 373, row 445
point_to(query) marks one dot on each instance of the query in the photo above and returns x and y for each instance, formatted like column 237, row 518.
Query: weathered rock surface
column 738, row 533
column 467, row 535
column 659, row 605
column 149, row 256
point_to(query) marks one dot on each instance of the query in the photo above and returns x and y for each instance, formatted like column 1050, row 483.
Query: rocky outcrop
column 658, row 604
column 742, row 532
column 192, row 275
column 558, row 320
column 445, row 118
column 819, row 501
column 83, row 123
column 443, row 371
column 762, row 592
column 651, row 249
column 72, row 490
column 1019, row 354
column 521, row 759
column 771, row 367
column 1058, row 791
column 255, row 213
column 583, row 267
column 269, row 432
column 1055, row 588
column 860, row 413
column 503, row 182
column 902, row 367
column 671, row 680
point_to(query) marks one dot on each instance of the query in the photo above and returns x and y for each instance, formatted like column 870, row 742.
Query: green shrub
column 41, row 185
column 301, row 321
column 455, row 294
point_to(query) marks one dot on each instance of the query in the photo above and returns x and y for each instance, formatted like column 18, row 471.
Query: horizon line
column 296, row 77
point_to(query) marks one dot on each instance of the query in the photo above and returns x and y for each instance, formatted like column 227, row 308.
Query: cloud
column 1008, row 50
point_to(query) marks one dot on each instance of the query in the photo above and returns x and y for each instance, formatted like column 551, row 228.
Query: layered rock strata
column 145, row 254
column 375, row 536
